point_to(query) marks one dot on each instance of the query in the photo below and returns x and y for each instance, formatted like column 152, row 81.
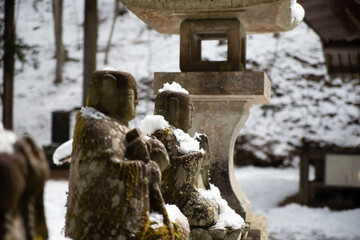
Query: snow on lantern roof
column 257, row 16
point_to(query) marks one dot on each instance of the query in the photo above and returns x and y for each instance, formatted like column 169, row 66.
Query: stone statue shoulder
column 167, row 137
column 98, row 135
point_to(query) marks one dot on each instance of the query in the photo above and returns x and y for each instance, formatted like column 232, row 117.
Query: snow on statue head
column 113, row 93
column 175, row 104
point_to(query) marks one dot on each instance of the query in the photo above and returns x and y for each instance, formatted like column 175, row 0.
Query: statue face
column 176, row 108
column 124, row 104
column 113, row 93
column 185, row 119
column 129, row 103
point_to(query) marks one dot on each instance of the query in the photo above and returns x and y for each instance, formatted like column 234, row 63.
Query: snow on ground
column 55, row 210
column 265, row 187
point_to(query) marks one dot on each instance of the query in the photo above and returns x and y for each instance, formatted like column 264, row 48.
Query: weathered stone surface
column 186, row 172
column 22, row 178
column 259, row 225
column 181, row 226
column 199, row 233
column 217, row 233
column 193, row 32
column 176, row 107
column 221, row 107
column 113, row 184
column 108, row 197
column 158, row 153
column 257, row 16
column 234, row 235
column 204, row 178
column 253, row 87
column 221, row 234
column 180, row 180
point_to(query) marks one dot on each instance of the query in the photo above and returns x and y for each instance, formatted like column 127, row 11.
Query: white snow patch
column 297, row 12
column 300, row 222
column 55, row 208
column 175, row 215
column 7, row 140
column 227, row 216
column 156, row 220
column 275, row 184
column 90, row 112
column 63, row 151
column 174, row 87
column 152, row 123
column 109, row 68
column 187, row 144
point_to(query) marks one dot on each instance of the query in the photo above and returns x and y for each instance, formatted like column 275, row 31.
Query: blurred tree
column 9, row 60
column 90, row 43
column 60, row 50
column 119, row 10
column 11, row 49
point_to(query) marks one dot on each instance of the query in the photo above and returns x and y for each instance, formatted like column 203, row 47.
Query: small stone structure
column 114, row 185
column 188, row 170
column 23, row 172
column 184, row 174
column 257, row 16
column 336, row 183
column 221, row 90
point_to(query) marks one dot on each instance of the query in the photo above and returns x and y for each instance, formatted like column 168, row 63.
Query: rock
column 200, row 234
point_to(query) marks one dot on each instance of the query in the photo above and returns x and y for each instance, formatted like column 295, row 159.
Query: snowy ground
column 265, row 187
column 305, row 102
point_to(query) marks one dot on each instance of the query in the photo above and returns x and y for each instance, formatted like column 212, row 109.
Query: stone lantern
column 222, row 91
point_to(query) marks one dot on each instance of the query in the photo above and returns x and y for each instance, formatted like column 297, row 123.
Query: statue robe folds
column 108, row 195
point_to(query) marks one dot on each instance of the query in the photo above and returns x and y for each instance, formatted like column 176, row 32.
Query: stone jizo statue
column 23, row 172
column 114, row 183
column 186, row 172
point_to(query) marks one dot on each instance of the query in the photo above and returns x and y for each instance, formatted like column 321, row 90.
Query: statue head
column 176, row 107
column 113, row 93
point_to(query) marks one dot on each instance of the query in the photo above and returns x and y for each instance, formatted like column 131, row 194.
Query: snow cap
column 187, row 144
column 174, row 87
column 109, row 68
column 152, row 123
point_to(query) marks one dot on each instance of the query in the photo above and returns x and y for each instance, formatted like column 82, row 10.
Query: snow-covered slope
column 305, row 102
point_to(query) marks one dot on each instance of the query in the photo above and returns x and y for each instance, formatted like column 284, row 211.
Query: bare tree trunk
column 116, row 13
column 60, row 51
column 9, row 61
column 90, row 43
